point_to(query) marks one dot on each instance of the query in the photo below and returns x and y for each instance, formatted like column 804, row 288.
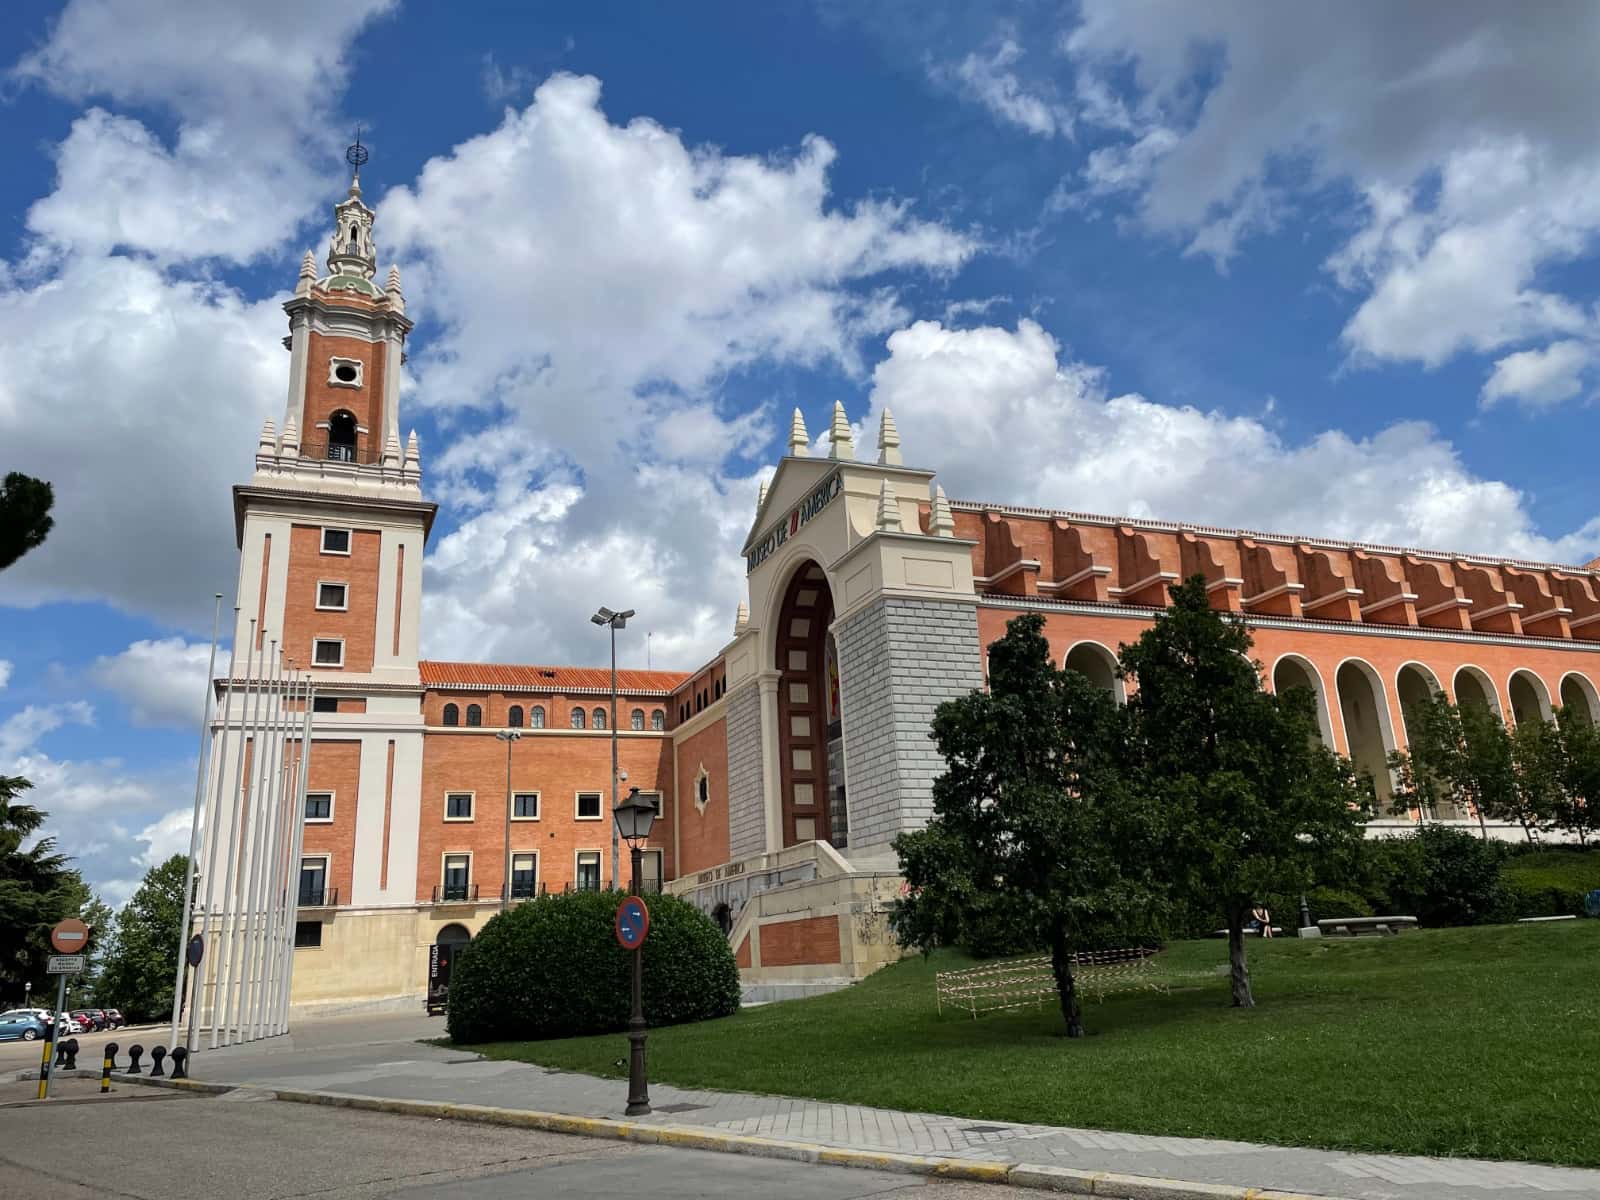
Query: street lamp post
column 616, row 621
column 632, row 819
column 507, row 736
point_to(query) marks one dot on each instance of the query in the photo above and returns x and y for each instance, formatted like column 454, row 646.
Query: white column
column 299, row 349
column 771, row 768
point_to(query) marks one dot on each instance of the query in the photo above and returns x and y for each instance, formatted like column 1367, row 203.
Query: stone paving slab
column 397, row 1070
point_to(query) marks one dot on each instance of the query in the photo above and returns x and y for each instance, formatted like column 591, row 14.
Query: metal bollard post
column 106, row 1064
column 180, row 1062
column 44, row 1060
column 70, row 1046
column 157, row 1053
column 135, row 1052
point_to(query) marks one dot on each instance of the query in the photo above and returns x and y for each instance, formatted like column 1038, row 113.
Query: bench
column 1022, row 982
column 1357, row 926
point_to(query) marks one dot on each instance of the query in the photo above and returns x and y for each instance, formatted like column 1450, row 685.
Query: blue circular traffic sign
column 632, row 923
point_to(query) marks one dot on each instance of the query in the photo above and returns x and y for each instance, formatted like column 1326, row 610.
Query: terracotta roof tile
column 516, row 677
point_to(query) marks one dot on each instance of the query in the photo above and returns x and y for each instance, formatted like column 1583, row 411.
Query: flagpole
column 260, row 812
column 273, row 909
column 226, row 932
column 296, row 845
column 219, row 751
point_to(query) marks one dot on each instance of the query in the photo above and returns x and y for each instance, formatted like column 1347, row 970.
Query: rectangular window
column 333, row 597
column 589, row 806
column 589, row 871
column 336, row 541
column 525, row 806
column 313, row 882
column 328, row 652
column 319, row 806
column 457, row 869
column 307, row 935
column 524, row 875
column 458, row 806
column 654, row 798
column 650, row 872
column 325, row 704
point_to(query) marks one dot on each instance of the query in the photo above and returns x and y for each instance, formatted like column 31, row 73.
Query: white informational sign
column 65, row 964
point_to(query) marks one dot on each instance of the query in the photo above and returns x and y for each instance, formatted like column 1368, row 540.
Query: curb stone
column 1029, row 1175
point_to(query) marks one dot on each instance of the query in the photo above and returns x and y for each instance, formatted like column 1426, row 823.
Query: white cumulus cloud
column 163, row 681
column 1539, row 378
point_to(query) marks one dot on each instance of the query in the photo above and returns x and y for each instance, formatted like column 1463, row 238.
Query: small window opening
column 342, row 436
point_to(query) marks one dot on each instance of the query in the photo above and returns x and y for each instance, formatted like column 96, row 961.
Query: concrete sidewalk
column 379, row 1059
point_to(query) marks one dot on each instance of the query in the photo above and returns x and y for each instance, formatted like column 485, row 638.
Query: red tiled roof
column 518, row 678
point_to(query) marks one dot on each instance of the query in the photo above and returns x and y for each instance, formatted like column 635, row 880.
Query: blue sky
column 1331, row 274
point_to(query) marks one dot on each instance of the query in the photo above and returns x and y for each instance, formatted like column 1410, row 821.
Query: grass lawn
column 1481, row 1042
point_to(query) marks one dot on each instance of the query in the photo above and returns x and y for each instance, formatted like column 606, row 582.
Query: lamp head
column 634, row 816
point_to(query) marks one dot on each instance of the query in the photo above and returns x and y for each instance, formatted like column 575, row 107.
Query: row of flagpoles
column 243, row 909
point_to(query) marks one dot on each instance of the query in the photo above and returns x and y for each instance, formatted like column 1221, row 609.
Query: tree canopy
column 142, row 960
column 24, row 515
column 37, row 889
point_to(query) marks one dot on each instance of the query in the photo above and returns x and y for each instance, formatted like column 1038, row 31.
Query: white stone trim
column 339, row 583
column 600, row 867
column 350, row 540
column 317, row 663
column 472, row 806
column 333, row 806
column 538, row 804
column 335, row 362
column 1324, row 712
column 578, row 815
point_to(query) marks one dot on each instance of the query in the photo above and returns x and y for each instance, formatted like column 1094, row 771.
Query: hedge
column 1551, row 882
column 552, row 968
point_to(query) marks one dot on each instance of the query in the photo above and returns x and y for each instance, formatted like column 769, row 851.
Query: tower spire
column 352, row 253
column 356, row 155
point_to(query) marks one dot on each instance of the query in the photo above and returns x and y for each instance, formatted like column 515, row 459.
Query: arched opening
column 536, row 717
column 809, row 743
column 599, row 719
column 1290, row 672
column 1578, row 696
column 452, row 715
column 355, row 238
column 342, row 436
column 1472, row 686
column 1367, row 729
column 474, row 716
column 448, row 945
column 1530, row 700
column 1417, row 687
column 514, row 716
column 1098, row 665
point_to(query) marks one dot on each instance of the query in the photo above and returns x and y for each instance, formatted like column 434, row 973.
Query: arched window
column 536, row 717
column 342, row 437
column 474, row 715
column 452, row 715
column 355, row 238
column 636, row 720
column 514, row 716
column 599, row 719
column 658, row 720
column 578, row 719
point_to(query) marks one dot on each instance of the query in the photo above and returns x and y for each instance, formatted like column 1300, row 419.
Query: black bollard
column 71, row 1047
column 180, row 1062
column 106, row 1064
column 157, row 1053
column 135, row 1053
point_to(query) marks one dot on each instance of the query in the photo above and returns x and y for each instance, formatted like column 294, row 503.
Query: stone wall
column 746, row 808
column 898, row 660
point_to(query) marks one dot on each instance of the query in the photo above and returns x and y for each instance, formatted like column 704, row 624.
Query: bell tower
column 332, row 524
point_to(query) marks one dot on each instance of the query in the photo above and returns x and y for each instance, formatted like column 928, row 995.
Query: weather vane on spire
column 356, row 155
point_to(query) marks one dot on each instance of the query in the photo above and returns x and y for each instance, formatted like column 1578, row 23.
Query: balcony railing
column 526, row 891
column 455, row 893
column 340, row 452
column 323, row 897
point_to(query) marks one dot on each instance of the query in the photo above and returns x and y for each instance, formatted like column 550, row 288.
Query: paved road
column 181, row 1146
column 17, row 1056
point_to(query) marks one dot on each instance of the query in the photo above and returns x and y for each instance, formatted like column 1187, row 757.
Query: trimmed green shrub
column 1438, row 874
column 552, row 968
column 1551, row 882
column 1328, row 903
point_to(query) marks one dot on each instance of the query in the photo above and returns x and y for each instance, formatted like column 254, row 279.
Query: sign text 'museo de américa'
column 790, row 525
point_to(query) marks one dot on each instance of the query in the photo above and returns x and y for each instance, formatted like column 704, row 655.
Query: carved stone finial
column 840, row 442
column 308, row 274
column 394, row 279
column 888, row 509
column 943, row 521
column 888, row 441
column 291, row 437
column 799, row 439
column 741, row 618
column 269, row 438
column 413, row 457
column 761, row 495
column 391, row 451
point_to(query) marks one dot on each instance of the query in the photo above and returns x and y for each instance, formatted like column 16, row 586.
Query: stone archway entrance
column 809, row 754
column 448, row 946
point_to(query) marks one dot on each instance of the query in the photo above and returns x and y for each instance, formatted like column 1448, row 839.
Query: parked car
column 86, row 1019
column 99, row 1014
column 114, row 1019
column 23, row 1027
column 47, row 1017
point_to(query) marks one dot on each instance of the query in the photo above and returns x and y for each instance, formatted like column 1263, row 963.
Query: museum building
column 784, row 768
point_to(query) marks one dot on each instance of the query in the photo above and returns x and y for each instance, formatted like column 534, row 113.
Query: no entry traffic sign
column 633, row 922
column 70, row 936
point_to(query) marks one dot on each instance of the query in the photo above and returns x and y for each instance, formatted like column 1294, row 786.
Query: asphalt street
column 133, row 1147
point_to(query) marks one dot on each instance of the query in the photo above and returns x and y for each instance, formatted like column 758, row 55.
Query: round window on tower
column 345, row 373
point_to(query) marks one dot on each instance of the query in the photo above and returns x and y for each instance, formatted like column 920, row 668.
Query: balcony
column 455, row 893
column 520, row 891
column 340, row 452
column 322, row 897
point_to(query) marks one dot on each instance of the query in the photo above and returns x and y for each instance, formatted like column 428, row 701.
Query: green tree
column 1255, row 803
column 1033, row 825
column 24, row 515
column 84, row 989
column 1577, row 805
column 142, row 959
column 1538, row 770
column 37, row 889
column 1466, row 753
